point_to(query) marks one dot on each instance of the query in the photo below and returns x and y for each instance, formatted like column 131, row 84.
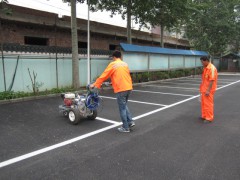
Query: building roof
column 231, row 55
column 158, row 50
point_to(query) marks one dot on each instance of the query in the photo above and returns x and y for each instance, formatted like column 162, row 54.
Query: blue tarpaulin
column 158, row 50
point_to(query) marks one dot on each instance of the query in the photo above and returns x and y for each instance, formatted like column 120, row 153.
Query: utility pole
column 88, row 47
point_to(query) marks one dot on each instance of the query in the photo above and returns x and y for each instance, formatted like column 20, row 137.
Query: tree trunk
column 129, row 8
column 75, row 61
column 162, row 43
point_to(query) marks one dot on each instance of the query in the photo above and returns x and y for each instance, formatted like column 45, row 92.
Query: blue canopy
column 158, row 50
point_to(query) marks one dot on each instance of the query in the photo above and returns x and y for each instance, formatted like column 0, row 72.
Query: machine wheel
column 65, row 113
column 74, row 116
column 93, row 115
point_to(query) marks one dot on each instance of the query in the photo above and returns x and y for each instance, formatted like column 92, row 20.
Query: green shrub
column 6, row 95
column 13, row 95
column 145, row 77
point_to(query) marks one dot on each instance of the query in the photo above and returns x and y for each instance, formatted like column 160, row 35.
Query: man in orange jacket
column 207, row 89
column 121, row 80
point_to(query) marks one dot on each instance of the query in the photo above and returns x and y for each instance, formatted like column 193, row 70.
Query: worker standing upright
column 207, row 89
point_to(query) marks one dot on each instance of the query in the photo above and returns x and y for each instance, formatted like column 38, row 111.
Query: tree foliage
column 168, row 14
column 4, row 9
column 235, row 41
column 130, row 9
column 212, row 24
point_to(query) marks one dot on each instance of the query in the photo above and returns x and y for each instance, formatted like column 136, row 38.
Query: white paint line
column 162, row 93
column 229, row 74
column 172, row 87
column 169, row 82
column 190, row 79
column 160, row 109
column 140, row 102
column 106, row 120
column 107, row 97
column 226, row 80
column 228, row 84
column 41, row 151
column 180, row 102
column 199, row 81
column 55, row 146
column 221, row 79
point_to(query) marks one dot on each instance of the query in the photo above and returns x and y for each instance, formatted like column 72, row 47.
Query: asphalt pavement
column 169, row 141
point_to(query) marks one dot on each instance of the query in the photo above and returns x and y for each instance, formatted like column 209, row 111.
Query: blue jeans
column 122, row 99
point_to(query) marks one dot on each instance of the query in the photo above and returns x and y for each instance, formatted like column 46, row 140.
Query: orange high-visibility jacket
column 209, row 74
column 119, row 73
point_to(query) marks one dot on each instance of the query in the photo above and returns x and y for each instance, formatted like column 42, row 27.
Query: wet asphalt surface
column 169, row 140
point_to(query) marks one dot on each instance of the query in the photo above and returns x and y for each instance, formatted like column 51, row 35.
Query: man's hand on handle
column 91, row 86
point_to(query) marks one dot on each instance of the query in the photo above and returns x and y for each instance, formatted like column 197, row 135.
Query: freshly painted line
column 228, row 84
column 191, row 79
column 169, row 82
column 172, row 87
column 180, row 102
column 226, row 80
column 106, row 120
column 195, row 80
column 160, row 109
column 41, row 151
column 140, row 102
column 154, row 92
column 64, row 143
column 107, row 97
column 223, row 82
column 229, row 74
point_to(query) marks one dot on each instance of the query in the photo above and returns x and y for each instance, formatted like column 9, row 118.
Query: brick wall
column 28, row 22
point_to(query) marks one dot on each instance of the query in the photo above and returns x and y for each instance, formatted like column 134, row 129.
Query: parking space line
column 115, row 124
column 166, row 107
column 140, row 102
column 172, row 87
column 225, row 80
column 154, row 92
column 199, row 82
column 55, row 146
column 169, row 82
column 107, row 120
column 180, row 102
column 228, row 85
column 154, row 104
column 229, row 74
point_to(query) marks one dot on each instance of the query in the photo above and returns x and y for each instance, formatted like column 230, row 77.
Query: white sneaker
column 121, row 129
column 132, row 124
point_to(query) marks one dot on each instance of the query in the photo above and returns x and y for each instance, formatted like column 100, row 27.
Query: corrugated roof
column 231, row 54
column 158, row 50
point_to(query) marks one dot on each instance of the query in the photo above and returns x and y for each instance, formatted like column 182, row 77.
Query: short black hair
column 204, row 58
column 117, row 54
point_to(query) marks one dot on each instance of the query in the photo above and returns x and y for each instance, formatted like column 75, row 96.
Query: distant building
column 230, row 62
column 178, row 35
column 33, row 27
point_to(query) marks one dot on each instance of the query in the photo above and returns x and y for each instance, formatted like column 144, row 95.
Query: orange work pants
column 207, row 105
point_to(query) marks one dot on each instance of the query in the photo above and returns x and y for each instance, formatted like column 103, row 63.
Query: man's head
column 116, row 54
column 205, row 60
